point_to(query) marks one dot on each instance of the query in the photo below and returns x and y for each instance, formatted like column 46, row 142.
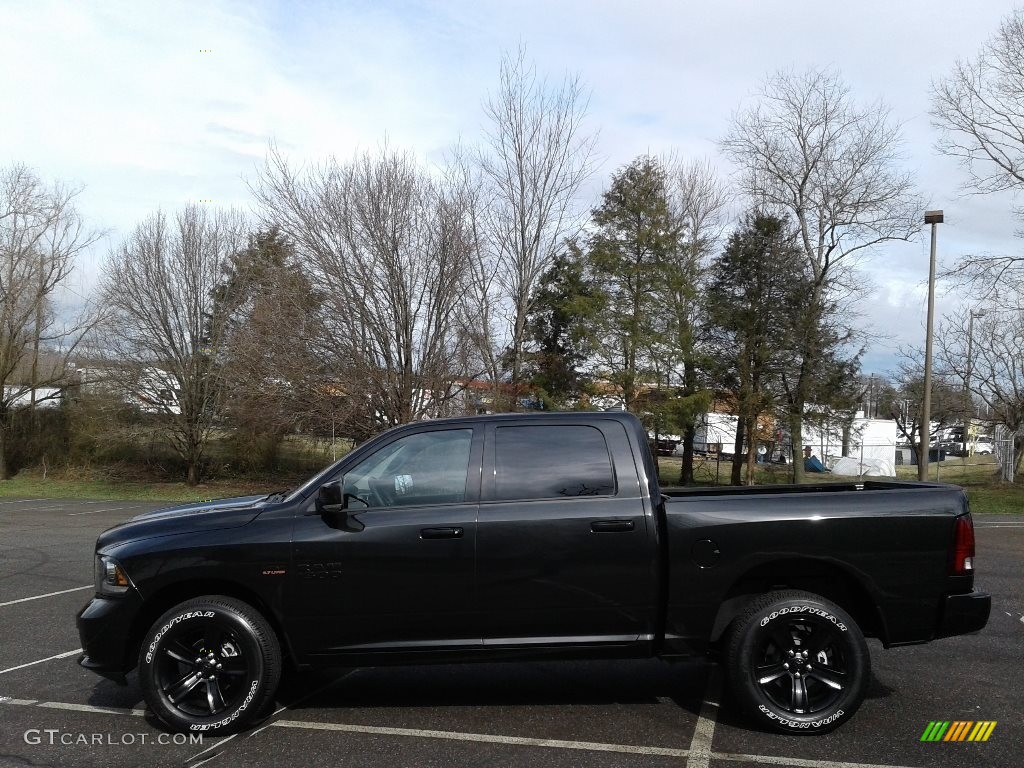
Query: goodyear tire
column 210, row 665
column 797, row 663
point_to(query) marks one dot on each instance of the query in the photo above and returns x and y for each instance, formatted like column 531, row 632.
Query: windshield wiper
column 277, row 495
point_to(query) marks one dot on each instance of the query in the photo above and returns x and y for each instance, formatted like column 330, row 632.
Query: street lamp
column 933, row 218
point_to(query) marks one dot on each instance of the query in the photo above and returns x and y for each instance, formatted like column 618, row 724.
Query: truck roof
column 623, row 416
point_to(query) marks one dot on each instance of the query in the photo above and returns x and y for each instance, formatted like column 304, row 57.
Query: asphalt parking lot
column 552, row 714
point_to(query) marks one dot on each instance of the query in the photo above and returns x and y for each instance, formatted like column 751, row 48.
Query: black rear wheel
column 797, row 662
column 210, row 665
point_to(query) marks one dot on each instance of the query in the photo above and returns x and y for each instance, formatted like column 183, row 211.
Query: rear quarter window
column 551, row 462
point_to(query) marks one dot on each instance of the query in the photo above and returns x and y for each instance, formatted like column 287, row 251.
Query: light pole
column 933, row 218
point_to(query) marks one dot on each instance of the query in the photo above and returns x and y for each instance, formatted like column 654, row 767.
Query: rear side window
column 550, row 462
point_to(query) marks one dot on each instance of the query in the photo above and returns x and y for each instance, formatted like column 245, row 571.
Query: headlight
column 111, row 578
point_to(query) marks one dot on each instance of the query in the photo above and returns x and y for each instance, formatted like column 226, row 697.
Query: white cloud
column 118, row 96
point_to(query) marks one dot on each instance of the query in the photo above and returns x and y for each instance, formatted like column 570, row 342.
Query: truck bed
column 882, row 544
column 675, row 492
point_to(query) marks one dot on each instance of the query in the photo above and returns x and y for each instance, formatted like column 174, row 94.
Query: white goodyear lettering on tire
column 803, row 609
column 177, row 619
column 232, row 716
column 839, row 625
column 795, row 724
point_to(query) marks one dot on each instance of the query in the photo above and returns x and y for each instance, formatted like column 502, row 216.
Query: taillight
column 963, row 546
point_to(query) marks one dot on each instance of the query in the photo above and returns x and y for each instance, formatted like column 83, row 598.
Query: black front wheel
column 797, row 663
column 210, row 665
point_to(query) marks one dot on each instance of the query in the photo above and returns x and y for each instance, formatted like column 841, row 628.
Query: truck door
column 400, row 575
column 566, row 553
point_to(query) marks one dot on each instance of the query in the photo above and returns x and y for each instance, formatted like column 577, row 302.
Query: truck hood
column 186, row 518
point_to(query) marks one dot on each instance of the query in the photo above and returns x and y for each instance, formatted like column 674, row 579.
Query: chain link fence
column 1004, row 443
column 867, row 460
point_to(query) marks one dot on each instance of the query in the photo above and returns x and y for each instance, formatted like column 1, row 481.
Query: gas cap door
column 705, row 553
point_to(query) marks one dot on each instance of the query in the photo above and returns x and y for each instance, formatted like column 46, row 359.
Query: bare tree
column 950, row 404
column 535, row 159
column 164, row 335
column 979, row 107
column 41, row 236
column 481, row 313
column 390, row 248
column 809, row 151
column 986, row 355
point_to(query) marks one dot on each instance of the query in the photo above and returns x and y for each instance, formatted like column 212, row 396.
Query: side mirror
column 332, row 504
column 331, row 497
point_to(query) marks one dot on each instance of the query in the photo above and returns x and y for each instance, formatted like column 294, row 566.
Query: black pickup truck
column 528, row 537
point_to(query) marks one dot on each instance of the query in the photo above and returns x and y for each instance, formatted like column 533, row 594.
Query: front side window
column 425, row 468
column 550, row 462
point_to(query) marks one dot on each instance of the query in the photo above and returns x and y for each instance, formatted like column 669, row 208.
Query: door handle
column 611, row 526
column 440, row 533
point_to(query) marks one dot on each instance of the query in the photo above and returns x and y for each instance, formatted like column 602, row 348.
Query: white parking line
column 21, row 501
column 796, row 761
column 40, row 661
column 91, row 708
column 580, row 745
column 73, row 707
column 591, row 746
column 48, row 594
column 267, row 723
column 704, row 732
column 110, row 509
column 197, row 755
column 487, row 738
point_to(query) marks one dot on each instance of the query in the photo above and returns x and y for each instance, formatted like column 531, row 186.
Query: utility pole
column 934, row 218
column 970, row 346
column 969, row 421
column 37, row 333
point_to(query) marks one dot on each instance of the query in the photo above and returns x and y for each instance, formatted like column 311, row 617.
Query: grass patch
column 32, row 485
column 143, row 468
column 969, row 471
column 1005, row 500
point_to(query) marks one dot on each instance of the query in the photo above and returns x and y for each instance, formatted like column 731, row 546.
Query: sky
column 150, row 105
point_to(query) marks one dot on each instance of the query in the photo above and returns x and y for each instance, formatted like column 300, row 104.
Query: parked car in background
column 666, row 447
column 984, row 445
column 953, row 447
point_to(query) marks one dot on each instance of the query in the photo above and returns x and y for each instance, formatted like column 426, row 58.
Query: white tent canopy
column 847, row 465
column 872, row 447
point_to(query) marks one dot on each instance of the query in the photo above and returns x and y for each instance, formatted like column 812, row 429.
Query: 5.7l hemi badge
column 274, row 570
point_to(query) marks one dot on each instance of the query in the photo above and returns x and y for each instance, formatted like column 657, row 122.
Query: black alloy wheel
column 801, row 666
column 797, row 663
column 210, row 665
column 200, row 668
